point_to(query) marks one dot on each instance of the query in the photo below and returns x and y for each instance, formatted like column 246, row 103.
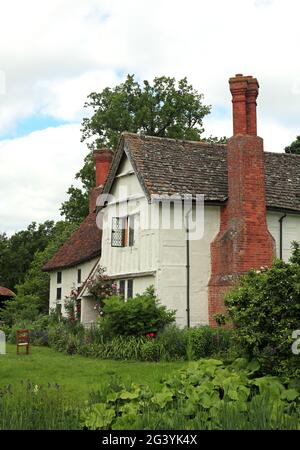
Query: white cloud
column 53, row 53
column 65, row 98
column 35, row 172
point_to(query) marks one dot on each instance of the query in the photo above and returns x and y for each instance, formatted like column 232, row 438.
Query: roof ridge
column 162, row 138
column 284, row 154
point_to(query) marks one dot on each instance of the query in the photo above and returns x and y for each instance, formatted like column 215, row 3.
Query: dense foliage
column 163, row 108
column 265, row 310
column 135, row 317
column 17, row 251
column 36, row 281
column 294, row 147
column 171, row 344
column 207, row 395
column 23, row 254
column 32, row 297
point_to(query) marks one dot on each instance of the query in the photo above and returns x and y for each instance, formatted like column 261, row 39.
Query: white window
column 126, row 288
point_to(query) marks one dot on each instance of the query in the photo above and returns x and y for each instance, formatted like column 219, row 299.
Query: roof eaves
column 73, row 263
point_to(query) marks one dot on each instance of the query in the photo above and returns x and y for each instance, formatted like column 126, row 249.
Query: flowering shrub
column 101, row 287
column 73, row 306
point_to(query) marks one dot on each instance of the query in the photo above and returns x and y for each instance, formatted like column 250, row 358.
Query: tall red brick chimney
column 243, row 241
column 103, row 158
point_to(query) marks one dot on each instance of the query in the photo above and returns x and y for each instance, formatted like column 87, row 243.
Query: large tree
column 163, row 108
column 36, row 281
column 18, row 251
column 294, row 147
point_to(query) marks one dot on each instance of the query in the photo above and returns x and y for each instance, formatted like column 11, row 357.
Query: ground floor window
column 122, row 288
column 129, row 288
column 126, row 288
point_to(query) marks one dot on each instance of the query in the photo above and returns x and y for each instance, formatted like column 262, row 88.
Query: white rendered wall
column 172, row 274
column 69, row 281
column 290, row 231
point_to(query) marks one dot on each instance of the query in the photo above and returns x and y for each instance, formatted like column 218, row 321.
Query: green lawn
column 78, row 375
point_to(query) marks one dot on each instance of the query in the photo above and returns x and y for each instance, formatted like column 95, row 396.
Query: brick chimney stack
column 103, row 158
column 243, row 241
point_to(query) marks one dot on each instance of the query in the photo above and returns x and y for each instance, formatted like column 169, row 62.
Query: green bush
column 206, row 395
column 66, row 337
column 265, row 310
column 151, row 350
column 172, row 341
column 207, row 341
column 135, row 317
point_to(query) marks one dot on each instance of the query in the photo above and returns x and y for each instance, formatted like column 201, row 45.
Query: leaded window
column 118, row 232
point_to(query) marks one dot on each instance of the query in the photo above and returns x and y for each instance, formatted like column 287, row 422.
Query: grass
column 78, row 375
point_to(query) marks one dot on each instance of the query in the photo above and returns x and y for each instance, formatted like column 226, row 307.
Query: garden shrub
column 172, row 341
column 65, row 336
column 207, row 341
column 206, row 395
column 150, row 350
column 265, row 310
column 135, row 317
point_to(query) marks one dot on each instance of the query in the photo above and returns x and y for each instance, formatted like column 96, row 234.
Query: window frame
column 129, row 289
column 122, row 289
column 79, row 276
column 126, row 230
column 120, row 229
column 58, row 294
column 59, row 277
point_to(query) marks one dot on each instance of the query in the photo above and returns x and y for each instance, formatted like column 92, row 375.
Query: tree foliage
column 32, row 296
column 163, row 108
column 294, row 147
column 36, row 281
column 17, row 251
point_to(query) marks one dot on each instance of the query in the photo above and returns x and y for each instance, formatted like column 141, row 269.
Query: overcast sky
column 53, row 53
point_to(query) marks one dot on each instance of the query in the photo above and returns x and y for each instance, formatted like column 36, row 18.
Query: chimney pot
column 244, row 90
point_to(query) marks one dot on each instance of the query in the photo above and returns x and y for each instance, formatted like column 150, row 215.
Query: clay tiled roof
column 83, row 245
column 6, row 292
column 169, row 166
